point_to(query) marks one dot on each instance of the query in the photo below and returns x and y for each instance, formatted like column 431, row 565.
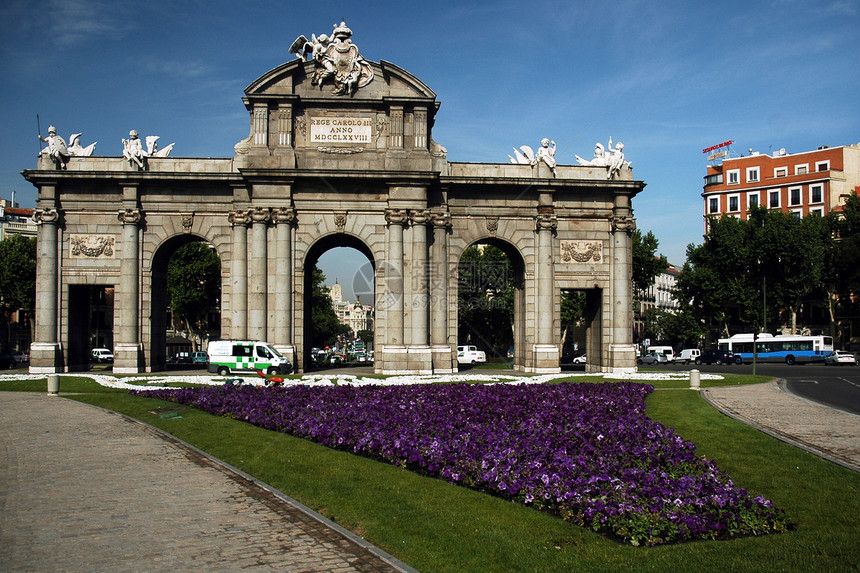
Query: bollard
column 53, row 385
column 695, row 380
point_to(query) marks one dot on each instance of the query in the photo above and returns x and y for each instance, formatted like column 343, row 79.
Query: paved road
column 834, row 386
column 83, row 489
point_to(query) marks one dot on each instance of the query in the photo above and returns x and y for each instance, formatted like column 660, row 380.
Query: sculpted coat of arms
column 336, row 57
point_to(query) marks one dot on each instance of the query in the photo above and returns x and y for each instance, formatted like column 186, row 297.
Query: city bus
column 788, row 348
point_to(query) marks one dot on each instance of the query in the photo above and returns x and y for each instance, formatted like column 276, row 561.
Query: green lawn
column 435, row 526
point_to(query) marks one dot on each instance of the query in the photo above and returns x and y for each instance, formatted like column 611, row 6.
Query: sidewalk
column 826, row 432
column 83, row 489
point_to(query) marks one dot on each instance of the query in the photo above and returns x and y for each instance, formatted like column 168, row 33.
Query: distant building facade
column 16, row 221
column 660, row 295
column 358, row 316
column 808, row 183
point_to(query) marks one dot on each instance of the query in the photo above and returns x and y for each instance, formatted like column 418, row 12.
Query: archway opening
column 91, row 324
column 491, row 300
column 185, row 311
column 581, row 335
column 339, row 297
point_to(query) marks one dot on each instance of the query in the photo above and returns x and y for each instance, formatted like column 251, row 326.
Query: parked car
column 199, row 357
column 653, row 358
column 840, row 357
column 102, row 355
column 21, row 357
column 7, row 362
column 715, row 356
column 579, row 359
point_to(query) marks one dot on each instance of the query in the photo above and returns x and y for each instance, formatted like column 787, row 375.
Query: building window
column 780, row 172
column 817, row 211
column 713, row 205
column 752, row 174
column 801, row 169
column 816, row 193
column 798, row 213
column 773, row 199
column 734, row 203
column 794, row 196
column 752, row 201
column 734, row 176
column 822, row 166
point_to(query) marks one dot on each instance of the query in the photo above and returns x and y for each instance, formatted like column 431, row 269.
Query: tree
column 748, row 271
column 193, row 287
column 844, row 269
column 324, row 320
column 485, row 298
column 646, row 264
column 572, row 312
column 17, row 279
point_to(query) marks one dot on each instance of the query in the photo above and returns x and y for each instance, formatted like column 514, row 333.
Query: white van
column 688, row 355
column 470, row 355
column 228, row 356
column 667, row 351
column 102, row 355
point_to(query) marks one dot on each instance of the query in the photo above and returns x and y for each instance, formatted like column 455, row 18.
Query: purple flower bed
column 586, row 452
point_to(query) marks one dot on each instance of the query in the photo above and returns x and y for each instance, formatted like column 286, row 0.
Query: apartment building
column 807, row 183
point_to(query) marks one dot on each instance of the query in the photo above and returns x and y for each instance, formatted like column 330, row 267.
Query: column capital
column 441, row 219
column 238, row 218
column 546, row 222
column 129, row 216
column 260, row 215
column 623, row 223
column 285, row 215
column 396, row 216
column 419, row 216
column 46, row 216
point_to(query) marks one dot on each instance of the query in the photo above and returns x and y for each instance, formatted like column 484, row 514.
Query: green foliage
column 646, row 264
column 366, row 336
column 324, row 321
column 772, row 256
column 485, row 297
column 844, row 275
column 17, row 274
column 193, row 285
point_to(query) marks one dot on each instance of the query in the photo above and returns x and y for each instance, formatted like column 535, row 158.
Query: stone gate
column 340, row 153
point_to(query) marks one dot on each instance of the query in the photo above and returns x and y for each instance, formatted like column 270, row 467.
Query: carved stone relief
column 92, row 246
column 581, row 251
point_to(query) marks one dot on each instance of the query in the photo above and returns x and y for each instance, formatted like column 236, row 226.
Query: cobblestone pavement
column 826, row 432
column 83, row 489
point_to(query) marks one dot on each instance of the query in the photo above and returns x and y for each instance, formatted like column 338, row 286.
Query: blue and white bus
column 788, row 348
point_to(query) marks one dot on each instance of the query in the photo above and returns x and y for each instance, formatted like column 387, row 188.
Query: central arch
column 365, row 276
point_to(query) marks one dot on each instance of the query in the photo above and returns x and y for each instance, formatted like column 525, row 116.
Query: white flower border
column 156, row 381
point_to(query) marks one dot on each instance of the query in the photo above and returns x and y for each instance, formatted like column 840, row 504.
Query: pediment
column 294, row 79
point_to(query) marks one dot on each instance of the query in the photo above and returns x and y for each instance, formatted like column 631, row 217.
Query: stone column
column 239, row 275
column 258, row 292
column 127, row 347
column 45, row 356
column 284, row 218
column 622, row 352
column 420, row 296
column 393, row 355
column 443, row 353
column 545, row 351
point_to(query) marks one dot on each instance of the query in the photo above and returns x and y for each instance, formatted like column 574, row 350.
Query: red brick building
column 811, row 182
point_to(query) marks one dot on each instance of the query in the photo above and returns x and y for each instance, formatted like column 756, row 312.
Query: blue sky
column 666, row 78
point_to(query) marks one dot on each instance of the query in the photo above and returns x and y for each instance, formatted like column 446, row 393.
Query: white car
column 579, row 359
column 840, row 357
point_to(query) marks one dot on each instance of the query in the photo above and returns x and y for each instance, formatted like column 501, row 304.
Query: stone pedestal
column 127, row 358
column 444, row 359
column 622, row 358
column 46, row 358
column 545, row 358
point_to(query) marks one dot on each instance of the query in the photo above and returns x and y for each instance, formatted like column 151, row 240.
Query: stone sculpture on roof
column 76, row 149
column 525, row 155
column 614, row 160
column 57, row 151
column 336, row 57
column 132, row 149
